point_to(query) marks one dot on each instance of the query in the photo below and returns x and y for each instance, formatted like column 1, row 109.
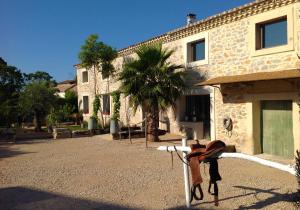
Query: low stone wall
column 60, row 133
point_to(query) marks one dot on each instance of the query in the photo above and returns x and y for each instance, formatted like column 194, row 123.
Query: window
column 106, row 104
column 271, row 34
column 85, row 100
column 85, row 77
column 198, row 50
column 197, row 106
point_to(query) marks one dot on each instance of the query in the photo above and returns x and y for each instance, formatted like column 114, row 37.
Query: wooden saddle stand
column 207, row 154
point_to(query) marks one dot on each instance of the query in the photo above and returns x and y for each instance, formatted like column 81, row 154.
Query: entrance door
column 277, row 128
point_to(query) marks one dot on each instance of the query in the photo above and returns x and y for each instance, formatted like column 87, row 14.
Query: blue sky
column 47, row 35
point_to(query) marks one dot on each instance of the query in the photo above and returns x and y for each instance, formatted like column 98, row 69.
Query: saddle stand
column 207, row 154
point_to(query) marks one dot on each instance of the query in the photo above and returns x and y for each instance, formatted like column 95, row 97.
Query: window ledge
column 197, row 63
column 183, row 121
column 273, row 50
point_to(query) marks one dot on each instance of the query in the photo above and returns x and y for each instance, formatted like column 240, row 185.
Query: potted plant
column 194, row 116
column 51, row 120
column 92, row 123
column 186, row 118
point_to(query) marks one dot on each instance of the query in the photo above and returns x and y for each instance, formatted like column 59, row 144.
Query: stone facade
column 230, row 50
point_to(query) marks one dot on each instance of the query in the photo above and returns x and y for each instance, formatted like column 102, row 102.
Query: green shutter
column 277, row 128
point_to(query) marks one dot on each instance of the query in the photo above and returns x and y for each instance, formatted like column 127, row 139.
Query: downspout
column 215, row 127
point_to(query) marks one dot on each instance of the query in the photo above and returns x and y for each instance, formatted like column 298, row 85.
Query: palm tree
column 153, row 83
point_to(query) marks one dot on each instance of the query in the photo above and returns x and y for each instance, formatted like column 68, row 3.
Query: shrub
column 117, row 105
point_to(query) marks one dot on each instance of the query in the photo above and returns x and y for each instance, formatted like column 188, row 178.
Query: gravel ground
column 96, row 173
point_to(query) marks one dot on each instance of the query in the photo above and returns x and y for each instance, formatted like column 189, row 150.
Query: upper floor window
column 106, row 104
column 85, row 104
column 272, row 33
column 198, row 50
column 85, row 77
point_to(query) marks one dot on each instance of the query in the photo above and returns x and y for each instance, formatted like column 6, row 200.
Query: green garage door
column 277, row 128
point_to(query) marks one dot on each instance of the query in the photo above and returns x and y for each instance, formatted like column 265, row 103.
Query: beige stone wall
column 105, row 86
column 230, row 52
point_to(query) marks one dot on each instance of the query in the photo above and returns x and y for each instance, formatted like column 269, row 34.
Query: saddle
column 209, row 154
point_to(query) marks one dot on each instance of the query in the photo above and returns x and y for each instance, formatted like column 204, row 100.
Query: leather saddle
column 201, row 153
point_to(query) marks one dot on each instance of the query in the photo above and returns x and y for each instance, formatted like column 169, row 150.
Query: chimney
column 190, row 18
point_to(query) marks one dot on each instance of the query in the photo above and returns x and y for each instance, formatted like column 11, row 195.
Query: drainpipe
column 215, row 127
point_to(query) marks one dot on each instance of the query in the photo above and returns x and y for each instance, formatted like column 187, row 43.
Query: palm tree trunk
column 37, row 122
column 153, row 123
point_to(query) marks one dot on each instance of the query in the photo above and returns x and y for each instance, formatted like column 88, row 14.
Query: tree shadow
column 6, row 151
column 195, row 206
column 275, row 197
column 26, row 198
column 261, row 204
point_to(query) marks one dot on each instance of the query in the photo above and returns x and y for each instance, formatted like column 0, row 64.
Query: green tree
column 95, row 54
column 40, row 76
column 96, row 57
column 71, row 100
column 11, row 82
column 153, row 83
column 38, row 97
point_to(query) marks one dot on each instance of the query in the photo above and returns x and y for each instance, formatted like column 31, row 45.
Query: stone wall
column 230, row 52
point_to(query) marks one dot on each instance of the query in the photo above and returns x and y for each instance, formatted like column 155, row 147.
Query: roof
column 258, row 76
column 61, row 87
column 67, row 82
column 235, row 14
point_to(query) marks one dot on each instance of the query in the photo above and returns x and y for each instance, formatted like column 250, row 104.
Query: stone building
column 244, row 67
column 64, row 86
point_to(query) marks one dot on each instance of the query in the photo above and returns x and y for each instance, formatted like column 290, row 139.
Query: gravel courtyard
column 97, row 173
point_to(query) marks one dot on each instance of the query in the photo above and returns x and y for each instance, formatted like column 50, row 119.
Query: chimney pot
column 190, row 18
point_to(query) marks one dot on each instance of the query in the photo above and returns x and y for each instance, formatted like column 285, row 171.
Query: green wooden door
column 277, row 128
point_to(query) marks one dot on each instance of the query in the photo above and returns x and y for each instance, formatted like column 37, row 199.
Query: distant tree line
column 30, row 97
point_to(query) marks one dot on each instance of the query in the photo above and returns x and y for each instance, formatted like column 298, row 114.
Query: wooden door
column 277, row 128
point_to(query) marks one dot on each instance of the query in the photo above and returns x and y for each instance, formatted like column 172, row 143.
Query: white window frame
column 88, row 77
column 88, row 104
column 269, row 16
column 188, row 49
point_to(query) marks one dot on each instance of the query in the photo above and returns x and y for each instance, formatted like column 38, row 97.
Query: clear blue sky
column 47, row 34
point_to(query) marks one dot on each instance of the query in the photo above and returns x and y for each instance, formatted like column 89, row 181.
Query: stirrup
column 194, row 193
column 216, row 189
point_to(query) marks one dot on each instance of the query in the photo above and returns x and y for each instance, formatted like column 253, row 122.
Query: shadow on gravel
column 6, row 151
column 193, row 206
column 261, row 204
column 275, row 197
column 26, row 198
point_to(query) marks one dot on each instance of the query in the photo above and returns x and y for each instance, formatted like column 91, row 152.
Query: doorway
column 277, row 128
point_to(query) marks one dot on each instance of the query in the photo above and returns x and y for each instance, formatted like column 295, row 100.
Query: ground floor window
column 106, row 104
column 196, row 107
column 85, row 104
